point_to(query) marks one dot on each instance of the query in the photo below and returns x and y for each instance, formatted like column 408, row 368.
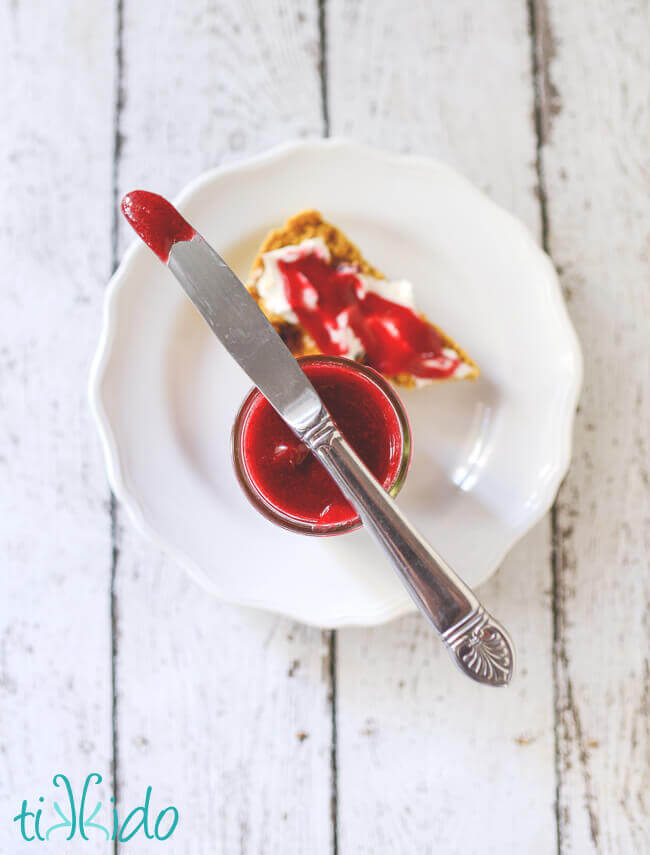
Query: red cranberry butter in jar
column 285, row 481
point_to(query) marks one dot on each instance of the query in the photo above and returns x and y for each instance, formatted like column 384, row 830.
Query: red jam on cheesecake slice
column 323, row 297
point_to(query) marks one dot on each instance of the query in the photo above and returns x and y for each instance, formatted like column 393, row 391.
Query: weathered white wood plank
column 224, row 711
column 427, row 761
column 594, row 64
column 448, row 80
column 56, row 140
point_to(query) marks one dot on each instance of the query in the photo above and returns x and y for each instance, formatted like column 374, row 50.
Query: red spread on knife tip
column 156, row 221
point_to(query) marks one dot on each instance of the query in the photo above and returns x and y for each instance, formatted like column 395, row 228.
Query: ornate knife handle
column 479, row 644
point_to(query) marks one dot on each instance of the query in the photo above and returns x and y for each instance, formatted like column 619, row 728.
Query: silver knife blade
column 244, row 330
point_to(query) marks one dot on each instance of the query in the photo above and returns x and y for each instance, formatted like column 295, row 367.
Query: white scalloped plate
column 489, row 456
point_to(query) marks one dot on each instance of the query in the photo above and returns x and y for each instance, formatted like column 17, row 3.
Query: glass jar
column 399, row 438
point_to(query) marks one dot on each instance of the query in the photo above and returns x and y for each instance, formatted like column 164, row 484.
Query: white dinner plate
column 488, row 456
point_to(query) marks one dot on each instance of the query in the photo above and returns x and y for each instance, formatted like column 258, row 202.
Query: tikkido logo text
column 86, row 818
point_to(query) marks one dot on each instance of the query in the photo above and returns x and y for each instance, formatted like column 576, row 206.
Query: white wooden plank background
column 242, row 719
column 55, row 649
column 596, row 170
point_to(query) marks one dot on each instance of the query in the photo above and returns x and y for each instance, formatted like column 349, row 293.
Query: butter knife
column 478, row 643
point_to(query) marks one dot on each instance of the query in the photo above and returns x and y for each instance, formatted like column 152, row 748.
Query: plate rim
column 118, row 480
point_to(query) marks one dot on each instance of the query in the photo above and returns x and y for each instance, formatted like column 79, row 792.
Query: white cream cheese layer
column 270, row 287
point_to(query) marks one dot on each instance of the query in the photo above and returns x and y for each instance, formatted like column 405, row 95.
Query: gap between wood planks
column 540, row 78
column 332, row 639
column 546, row 105
column 115, row 550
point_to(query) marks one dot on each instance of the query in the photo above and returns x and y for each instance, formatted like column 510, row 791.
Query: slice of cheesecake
column 322, row 296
